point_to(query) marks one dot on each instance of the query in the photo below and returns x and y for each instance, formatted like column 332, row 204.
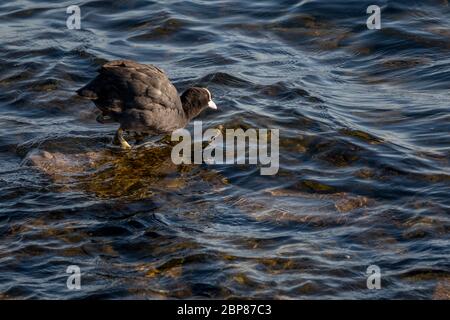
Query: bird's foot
column 213, row 143
column 119, row 140
column 139, row 137
column 125, row 145
column 212, row 139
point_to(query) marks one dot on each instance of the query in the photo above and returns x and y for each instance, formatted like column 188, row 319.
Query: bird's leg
column 212, row 143
column 119, row 140
column 213, row 138
column 139, row 137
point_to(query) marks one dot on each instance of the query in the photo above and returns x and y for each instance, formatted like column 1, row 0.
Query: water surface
column 364, row 152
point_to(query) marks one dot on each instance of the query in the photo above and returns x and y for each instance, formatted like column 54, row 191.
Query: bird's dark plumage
column 141, row 98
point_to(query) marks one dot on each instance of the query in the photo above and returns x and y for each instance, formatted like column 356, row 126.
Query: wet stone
column 351, row 203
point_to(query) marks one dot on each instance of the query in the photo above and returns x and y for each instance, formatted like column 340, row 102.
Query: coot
column 142, row 99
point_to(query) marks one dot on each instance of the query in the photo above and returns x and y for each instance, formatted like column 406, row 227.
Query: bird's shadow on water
column 92, row 165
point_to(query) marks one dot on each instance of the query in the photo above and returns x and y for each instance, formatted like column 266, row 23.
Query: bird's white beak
column 212, row 105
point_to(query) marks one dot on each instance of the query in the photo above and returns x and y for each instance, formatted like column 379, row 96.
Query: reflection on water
column 364, row 152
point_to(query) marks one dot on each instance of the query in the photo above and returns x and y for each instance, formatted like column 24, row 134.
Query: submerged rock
column 367, row 137
column 343, row 201
column 350, row 203
column 442, row 291
column 111, row 173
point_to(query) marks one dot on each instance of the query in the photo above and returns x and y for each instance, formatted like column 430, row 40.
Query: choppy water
column 364, row 152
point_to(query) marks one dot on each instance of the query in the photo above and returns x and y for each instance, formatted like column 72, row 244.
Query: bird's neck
column 190, row 110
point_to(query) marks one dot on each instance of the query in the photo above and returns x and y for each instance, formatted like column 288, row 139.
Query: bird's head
column 195, row 100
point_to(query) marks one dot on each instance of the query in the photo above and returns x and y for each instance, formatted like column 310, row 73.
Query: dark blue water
column 364, row 152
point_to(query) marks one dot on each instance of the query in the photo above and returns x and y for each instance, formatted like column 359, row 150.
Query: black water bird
column 142, row 99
